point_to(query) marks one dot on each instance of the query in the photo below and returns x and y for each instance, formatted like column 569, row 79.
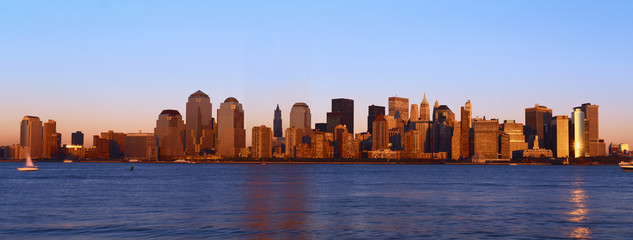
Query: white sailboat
column 29, row 165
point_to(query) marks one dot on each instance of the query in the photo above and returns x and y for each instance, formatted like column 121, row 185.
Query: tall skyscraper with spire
column 425, row 110
column 277, row 127
column 199, row 123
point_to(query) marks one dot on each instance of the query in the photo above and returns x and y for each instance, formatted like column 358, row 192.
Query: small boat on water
column 29, row 165
column 626, row 165
column 68, row 161
column 133, row 160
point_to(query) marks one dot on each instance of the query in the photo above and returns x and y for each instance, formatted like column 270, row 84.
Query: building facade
column 170, row 131
column 399, row 108
column 199, row 124
column 31, row 137
column 262, row 141
column 231, row 132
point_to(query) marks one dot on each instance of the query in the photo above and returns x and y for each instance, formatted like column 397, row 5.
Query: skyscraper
column 464, row 131
column 514, row 131
column 262, row 142
column 578, row 133
column 77, row 138
column 199, row 121
column 141, row 146
column 342, row 113
column 50, row 139
column 231, row 132
column 374, row 111
column 277, row 127
column 31, row 137
column 380, row 138
column 425, row 110
column 415, row 115
column 399, row 108
column 300, row 117
column 535, row 120
column 170, row 131
column 592, row 136
column 486, row 138
column 559, row 134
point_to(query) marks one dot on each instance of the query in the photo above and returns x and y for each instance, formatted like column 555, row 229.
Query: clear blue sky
column 100, row 65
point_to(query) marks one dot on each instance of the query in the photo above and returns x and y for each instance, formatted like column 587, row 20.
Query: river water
column 312, row 201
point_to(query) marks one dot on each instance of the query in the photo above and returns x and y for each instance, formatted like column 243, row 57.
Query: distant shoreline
column 612, row 161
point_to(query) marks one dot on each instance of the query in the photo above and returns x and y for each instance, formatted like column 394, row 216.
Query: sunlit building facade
column 170, row 131
column 199, row 133
column 231, row 132
column 399, row 108
column 31, row 137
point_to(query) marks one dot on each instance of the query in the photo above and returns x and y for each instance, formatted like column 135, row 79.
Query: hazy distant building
column 51, row 140
column 262, row 142
column 578, row 133
column 77, row 138
column 199, row 124
column 277, row 128
column 380, row 137
column 536, row 119
column 425, row 110
column 486, row 137
column 399, row 108
column 170, row 131
column 301, row 118
column 559, row 135
column 464, row 131
column 141, row 146
column 231, row 132
column 374, row 111
column 31, row 137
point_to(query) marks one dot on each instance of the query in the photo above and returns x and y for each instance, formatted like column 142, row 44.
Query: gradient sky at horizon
column 95, row 66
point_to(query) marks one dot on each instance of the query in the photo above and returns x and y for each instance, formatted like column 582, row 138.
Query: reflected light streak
column 579, row 212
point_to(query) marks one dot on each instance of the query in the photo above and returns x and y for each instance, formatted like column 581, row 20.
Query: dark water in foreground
column 219, row 201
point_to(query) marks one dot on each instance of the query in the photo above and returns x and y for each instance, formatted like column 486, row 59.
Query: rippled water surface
column 283, row 201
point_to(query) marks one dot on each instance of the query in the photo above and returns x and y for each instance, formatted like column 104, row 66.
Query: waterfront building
column 116, row 143
column 31, row 137
column 413, row 144
column 594, row 146
column 170, row 131
column 424, row 128
column 262, row 142
column 399, row 108
column 425, row 110
column 374, row 111
column 100, row 149
column 231, row 132
column 537, row 152
column 456, row 141
column 300, row 117
column 77, row 138
column 536, row 119
column 51, row 140
column 200, row 132
column 277, row 128
column 464, row 130
column 514, row 131
column 559, row 134
column 486, row 137
column 380, row 137
column 75, row 152
column 320, row 145
column 504, row 146
column 443, row 121
column 343, row 143
column 141, row 146
column 578, row 133
column 294, row 137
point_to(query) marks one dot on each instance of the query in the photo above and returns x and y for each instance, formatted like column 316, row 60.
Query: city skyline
column 94, row 67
